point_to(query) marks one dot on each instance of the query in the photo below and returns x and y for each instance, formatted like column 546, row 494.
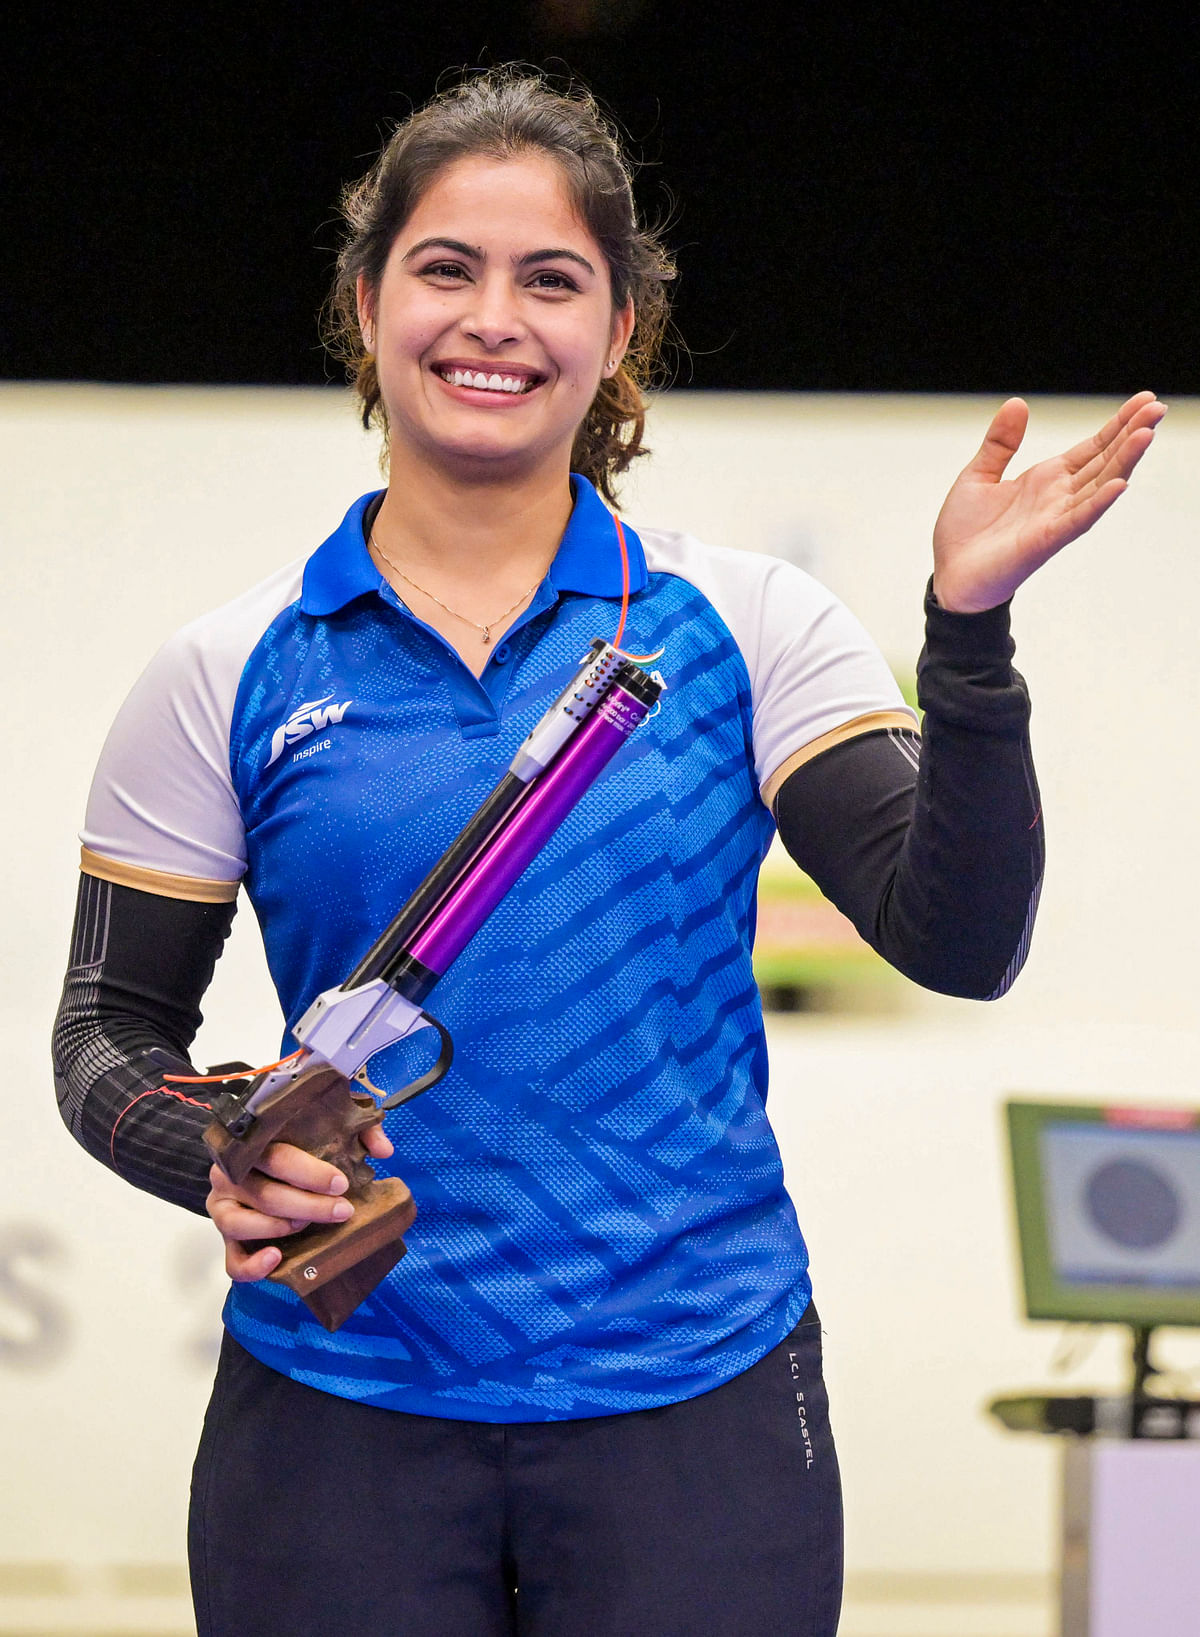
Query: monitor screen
column 1108, row 1211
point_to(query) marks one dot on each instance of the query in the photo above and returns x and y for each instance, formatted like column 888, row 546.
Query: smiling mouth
column 500, row 381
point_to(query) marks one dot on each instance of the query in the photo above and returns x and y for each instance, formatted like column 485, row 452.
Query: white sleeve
column 163, row 815
column 815, row 675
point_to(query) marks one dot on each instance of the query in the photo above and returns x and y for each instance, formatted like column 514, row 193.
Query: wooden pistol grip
column 332, row 1267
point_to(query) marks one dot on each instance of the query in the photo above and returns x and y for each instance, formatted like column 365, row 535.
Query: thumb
column 1001, row 441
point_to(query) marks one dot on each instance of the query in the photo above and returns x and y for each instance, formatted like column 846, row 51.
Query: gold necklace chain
column 485, row 629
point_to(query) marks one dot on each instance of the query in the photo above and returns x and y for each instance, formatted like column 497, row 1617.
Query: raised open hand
column 992, row 534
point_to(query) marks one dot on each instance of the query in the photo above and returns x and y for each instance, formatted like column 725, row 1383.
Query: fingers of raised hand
column 1139, row 413
column 1118, row 462
column 1084, row 498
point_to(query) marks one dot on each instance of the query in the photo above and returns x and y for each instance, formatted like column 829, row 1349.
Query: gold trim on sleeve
column 872, row 722
column 159, row 882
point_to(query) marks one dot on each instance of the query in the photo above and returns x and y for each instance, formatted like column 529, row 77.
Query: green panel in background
column 1103, row 1301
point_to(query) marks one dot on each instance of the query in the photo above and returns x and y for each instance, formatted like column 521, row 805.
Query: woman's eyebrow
column 555, row 255
column 459, row 248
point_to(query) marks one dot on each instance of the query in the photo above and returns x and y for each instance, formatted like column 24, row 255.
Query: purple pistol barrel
column 445, row 934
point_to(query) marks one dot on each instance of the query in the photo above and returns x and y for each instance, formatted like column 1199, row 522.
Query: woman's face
column 493, row 322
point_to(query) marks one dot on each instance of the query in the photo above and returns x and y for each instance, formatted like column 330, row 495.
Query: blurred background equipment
column 1107, row 1201
column 1108, row 1212
column 1108, row 1218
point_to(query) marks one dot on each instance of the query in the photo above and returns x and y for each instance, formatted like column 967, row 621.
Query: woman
column 589, row 1400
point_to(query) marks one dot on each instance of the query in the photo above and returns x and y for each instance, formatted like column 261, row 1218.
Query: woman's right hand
column 290, row 1189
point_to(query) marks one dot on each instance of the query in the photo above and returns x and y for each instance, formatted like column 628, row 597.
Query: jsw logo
column 311, row 717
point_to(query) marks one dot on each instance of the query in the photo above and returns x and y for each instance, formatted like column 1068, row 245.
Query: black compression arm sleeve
column 130, row 1009
column 933, row 847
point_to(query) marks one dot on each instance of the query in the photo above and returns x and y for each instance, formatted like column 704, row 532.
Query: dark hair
column 499, row 114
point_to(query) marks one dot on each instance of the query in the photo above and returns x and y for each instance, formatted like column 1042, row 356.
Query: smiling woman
column 502, row 117
column 488, row 356
column 588, row 1402
column 448, row 318
column 501, row 310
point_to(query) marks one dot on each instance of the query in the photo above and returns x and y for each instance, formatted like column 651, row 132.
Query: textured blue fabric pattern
column 602, row 1219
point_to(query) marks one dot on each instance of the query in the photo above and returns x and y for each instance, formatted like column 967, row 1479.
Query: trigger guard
column 423, row 1082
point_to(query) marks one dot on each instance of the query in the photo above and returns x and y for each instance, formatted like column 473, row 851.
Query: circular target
column 1133, row 1204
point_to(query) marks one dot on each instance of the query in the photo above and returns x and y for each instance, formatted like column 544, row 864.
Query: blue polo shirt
column 602, row 1220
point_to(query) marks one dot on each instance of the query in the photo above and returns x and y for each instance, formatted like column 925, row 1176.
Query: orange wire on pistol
column 191, row 1080
column 243, row 1074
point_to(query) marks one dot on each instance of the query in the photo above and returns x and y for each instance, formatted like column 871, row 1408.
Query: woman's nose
column 493, row 318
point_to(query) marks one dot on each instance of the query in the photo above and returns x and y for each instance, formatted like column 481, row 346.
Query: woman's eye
column 552, row 281
column 446, row 270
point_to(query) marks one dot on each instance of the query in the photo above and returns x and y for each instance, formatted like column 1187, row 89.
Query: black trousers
column 716, row 1517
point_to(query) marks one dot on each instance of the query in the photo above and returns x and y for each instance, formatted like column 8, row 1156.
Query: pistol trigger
column 365, row 1080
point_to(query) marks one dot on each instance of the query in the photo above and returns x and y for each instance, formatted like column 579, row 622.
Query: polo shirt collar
column 588, row 558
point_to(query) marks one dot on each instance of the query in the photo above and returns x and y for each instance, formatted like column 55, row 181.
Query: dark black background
column 863, row 199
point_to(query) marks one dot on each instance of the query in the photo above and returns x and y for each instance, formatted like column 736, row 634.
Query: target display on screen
column 1108, row 1210
column 1123, row 1206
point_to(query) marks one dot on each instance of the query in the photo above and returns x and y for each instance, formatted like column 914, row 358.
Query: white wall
column 127, row 511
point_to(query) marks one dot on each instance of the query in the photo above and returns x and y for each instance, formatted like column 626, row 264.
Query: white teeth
column 486, row 383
